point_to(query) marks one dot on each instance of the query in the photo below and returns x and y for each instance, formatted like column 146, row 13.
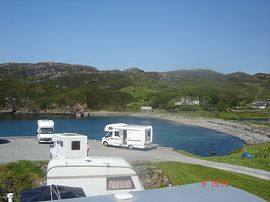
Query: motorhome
column 95, row 175
column 69, row 145
column 45, row 131
column 128, row 135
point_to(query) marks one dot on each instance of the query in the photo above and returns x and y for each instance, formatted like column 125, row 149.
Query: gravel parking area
column 13, row 149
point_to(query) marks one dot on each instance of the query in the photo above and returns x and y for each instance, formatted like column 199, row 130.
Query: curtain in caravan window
column 116, row 133
column 75, row 145
column 114, row 183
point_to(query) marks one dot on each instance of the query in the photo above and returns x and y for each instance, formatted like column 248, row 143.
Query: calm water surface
column 197, row 140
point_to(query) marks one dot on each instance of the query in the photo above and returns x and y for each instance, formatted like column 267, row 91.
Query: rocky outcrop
column 78, row 110
column 150, row 176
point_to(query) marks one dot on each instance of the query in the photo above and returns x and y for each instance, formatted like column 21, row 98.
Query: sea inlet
column 196, row 140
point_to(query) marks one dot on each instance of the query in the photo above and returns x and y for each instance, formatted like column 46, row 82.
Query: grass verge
column 235, row 157
column 180, row 173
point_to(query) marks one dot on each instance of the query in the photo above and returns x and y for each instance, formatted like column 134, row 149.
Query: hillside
column 42, row 87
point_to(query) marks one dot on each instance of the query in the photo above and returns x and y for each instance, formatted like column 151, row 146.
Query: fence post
column 10, row 197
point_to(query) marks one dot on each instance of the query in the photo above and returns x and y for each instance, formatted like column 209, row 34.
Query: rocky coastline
column 249, row 133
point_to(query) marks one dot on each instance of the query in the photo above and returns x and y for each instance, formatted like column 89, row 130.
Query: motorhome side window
column 75, row 145
column 149, row 133
column 114, row 183
column 116, row 133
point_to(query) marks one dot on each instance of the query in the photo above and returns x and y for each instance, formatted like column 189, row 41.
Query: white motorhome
column 95, row 175
column 69, row 145
column 45, row 131
column 128, row 135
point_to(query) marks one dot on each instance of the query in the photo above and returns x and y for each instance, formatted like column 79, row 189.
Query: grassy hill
column 43, row 86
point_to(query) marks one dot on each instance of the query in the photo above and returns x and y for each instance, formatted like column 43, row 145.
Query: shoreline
column 249, row 133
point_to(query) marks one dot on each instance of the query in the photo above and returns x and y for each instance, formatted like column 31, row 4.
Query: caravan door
column 116, row 140
column 124, row 137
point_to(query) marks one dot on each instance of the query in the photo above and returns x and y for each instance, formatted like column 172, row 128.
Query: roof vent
column 123, row 196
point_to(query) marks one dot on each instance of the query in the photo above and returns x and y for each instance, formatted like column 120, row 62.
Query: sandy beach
column 250, row 133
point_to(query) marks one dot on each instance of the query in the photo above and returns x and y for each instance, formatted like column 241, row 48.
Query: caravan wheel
column 130, row 147
column 105, row 144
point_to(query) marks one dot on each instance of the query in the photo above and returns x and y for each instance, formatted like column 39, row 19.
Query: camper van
column 128, row 135
column 95, row 175
column 45, row 131
column 68, row 145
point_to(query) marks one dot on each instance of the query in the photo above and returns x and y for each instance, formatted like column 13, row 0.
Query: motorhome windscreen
column 116, row 183
column 46, row 131
column 75, row 145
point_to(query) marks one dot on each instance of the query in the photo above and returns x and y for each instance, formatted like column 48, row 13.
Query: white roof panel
column 187, row 193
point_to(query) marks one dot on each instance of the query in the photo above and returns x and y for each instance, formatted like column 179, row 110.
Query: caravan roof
column 189, row 192
column 69, row 135
column 126, row 126
column 89, row 161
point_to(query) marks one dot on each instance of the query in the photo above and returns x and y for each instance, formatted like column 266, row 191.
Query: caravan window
column 114, row 183
column 116, row 133
column 75, row 145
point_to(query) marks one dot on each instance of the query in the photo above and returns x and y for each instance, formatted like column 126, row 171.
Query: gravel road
column 13, row 149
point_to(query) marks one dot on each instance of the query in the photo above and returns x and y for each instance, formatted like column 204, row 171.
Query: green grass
column 180, row 173
column 137, row 91
column 256, row 115
column 235, row 157
column 18, row 176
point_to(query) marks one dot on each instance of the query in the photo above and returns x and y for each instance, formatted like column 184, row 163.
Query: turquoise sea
column 197, row 140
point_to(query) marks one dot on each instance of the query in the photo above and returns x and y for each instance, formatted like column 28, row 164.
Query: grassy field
column 18, row 176
column 251, row 115
column 256, row 115
column 235, row 157
column 21, row 175
column 180, row 174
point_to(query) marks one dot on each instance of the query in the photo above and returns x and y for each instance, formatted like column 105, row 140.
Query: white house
column 259, row 105
column 146, row 108
column 187, row 101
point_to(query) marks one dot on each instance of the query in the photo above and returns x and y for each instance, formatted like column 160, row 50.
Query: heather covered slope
column 53, row 86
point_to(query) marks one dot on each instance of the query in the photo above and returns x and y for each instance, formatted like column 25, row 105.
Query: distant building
column 259, row 105
column 187, row 101
column 146, row 108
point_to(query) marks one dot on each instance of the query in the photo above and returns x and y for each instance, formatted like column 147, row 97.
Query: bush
column 19, row 176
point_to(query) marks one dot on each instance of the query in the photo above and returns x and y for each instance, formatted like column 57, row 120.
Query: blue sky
column 223, row 35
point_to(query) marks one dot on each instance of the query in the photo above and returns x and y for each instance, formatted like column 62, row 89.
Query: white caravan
column 95, row 175
column 69, row 145
column 45, row 131
column 128, row 135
